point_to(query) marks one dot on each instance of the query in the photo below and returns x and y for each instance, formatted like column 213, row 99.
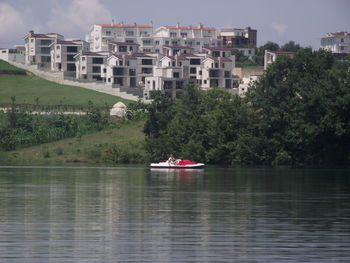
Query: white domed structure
column 118, row 110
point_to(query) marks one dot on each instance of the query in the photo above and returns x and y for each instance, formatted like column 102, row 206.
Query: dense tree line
column 20, row 128
column 296, row 113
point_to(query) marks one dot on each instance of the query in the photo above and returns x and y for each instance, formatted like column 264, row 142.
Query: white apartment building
column 194, row 37
column 338, row 42
column 100, row 35
column 63, row 55
column 38, row 50
column 12, row 54
column 89, row 65
column 128, row 70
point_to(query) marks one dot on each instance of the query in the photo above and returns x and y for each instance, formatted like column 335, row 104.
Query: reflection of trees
column 123, row 212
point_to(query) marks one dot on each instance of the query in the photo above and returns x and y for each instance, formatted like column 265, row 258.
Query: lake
column 134, row 214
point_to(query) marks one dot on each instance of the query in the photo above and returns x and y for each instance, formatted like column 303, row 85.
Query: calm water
column 137, row 215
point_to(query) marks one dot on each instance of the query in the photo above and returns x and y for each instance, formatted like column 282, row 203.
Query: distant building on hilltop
column 337, row 43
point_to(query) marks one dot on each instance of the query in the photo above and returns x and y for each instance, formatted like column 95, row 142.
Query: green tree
column 290, row 46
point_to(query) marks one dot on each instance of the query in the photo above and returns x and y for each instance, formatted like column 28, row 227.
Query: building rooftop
column 124, row 26
column 191, row 28
column 340, row 34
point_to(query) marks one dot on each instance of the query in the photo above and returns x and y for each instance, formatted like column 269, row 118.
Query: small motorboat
column 181, row 164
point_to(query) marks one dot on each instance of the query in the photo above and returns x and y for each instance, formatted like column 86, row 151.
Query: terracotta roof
column 41, row 36
column 191, row 28
column 124, row 26
column 124, row 43
column 344, row 34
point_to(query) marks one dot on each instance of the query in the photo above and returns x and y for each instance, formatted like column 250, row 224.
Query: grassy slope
column 6, row 66
column 27, row 88
column 75, row 149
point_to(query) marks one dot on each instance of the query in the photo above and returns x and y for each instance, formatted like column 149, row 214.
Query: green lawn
column 6, row 66
column 34, row 90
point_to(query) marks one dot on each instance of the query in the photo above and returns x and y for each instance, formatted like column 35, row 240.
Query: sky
column 303, row 21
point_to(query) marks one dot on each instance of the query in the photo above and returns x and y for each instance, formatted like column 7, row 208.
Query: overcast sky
column 303, row 21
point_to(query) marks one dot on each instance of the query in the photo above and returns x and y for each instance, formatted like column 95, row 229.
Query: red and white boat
column 182, row 164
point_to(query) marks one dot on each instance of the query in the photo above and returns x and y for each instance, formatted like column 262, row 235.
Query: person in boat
column 171, row 159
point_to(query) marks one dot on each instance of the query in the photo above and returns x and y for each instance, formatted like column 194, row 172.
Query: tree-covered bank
column 297, row 113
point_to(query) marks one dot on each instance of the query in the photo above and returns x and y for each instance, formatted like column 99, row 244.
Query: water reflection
column 137, row 214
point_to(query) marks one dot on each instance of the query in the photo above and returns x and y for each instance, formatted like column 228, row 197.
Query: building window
column 173, row 34
column 129, row 33
column 108, row 33
column 97, row 60
column 31, row 40
column 183, row 34
column 195, row 61
column 72, row 49
column 193, row 70
column 167, row 42
column 342, row 40
column 157, row 43
column 45, row 42
column 83, row 58
column 173, row 63
column 83, row 68
column 96, row 69
column 176, row 74
column 58, row 47
column 122, row 49
column 58, row 56
column 104, row 70
column 205, row 81
column 198, row 43
column 146, row 42
column 146, row 62
column 200, row 72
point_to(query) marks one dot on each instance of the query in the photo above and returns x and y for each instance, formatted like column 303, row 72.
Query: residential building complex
column 338, row 42
column 132, row 56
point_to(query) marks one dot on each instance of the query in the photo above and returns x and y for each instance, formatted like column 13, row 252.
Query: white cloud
column 77, row 16
column 280, row 28
column 11, row 21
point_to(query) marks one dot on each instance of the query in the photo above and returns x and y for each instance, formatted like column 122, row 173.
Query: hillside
column 30, row 89
column 122, row 144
